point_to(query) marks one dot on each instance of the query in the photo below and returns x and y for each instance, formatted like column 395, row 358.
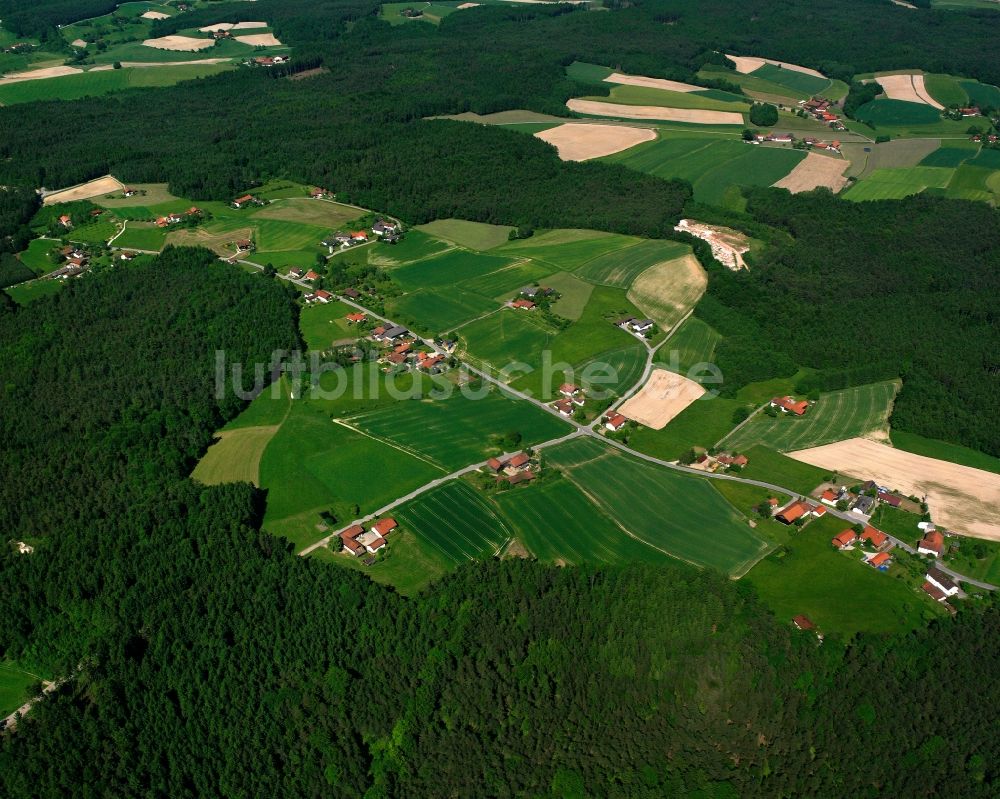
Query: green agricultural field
column 836, row 416
column 567, row 249
column 444, row 271
column 438, row 311
column 142, row 236
column 948, row 156
column 285, row 259
column 505, row 283
column 773, row 467
column 414, row 246
column 275, row 234
column 945, row 451
column 885, row 112
column 455, row 432
column 946, row 89
column 36, row 257
column 456, row 521
column 93, row 84
column 26, row 293
column 894, row 184
column 711, row 164
column 268, row 409
column 839, row 593
column 582, row 72
column 474, row 235
column 573, row 294
column 679, row 515
column 977, row 558
column 507, row 336
column 625, row 366
column 312, row 465
column 693, row 343
column 981, row 94
column 799, row 83
column 970, row 183
column 149, row 194
column 321, row 325
column 95, row 232
column 235, row 456
column 307, row 211
column 700, row 424
column 866, row 157
column 667, row 291
column 621, row 267
column 14, row 685
column 642, row 95
column 559, row 524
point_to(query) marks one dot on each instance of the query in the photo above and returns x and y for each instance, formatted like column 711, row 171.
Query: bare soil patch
column 218, row 26
column 308, row 73
column 93, row 188
column 578, row 141
column 40, row 74
column 155, row 15
column 467, row 5
column 664, row 396
column 242, row 26
column 78, row 43
column 728, row 245
column 179, row 43
column 655, row 112
column 907, row 87
column 746, row 64
column 813, row 171
column 653, row 83
column 259, row 39
column 960, row 498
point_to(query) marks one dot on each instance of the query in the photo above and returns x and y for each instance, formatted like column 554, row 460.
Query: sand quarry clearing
column 653, row 83
column 907, row 87
column 179, row 43
column 655, row 112
column 813, row 171
column 155, row 15
column 578, row 141
column 92, row 188
column 259, row 39
column 663, row 397
column 960, row 498
column 746, row 64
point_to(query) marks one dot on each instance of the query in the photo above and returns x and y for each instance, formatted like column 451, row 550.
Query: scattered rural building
column 65, row 221
column 323, row 296
column 349, row 538
column 845, row 539
column 876, row 538
column 394, row 332
column 614, row 422
column 970, row 111
column 830, row 497
column 880, row 561
column 428, row 362
column 564, row 406
column 728, row 459
column 803, row 622
column 931, row 544
column 270, row 60
column 320, row 194
column 359, row 235
column 790, row 405
column 794, row 510
column 244, row 201
column 356, row 318
column 893, row 500
column 569, row 389
column 127, row 255
column 311, row 276
column 523, row 305
column 941, row 581
column 352, row 293
column 863, row 505
column 383, row 228
column 244, row 245
column 517, row 463
column 385, row 526
column 296, row 273
column 521, row 477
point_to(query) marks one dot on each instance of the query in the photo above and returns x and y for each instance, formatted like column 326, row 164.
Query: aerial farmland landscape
column 512, row 398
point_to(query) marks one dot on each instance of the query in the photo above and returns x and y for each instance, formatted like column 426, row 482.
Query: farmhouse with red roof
column 789, row 405
column 844, row 539
column 931, row 544
column 614, row 421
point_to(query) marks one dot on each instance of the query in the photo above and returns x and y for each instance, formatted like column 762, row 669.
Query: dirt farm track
column 960, row 498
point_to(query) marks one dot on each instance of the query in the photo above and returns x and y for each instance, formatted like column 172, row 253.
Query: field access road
column 589, row 430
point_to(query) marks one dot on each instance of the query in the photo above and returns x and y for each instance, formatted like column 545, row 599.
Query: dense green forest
column 871, row 291
column 205, row 659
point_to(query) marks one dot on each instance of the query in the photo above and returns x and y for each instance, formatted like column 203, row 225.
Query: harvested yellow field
column 259, row 39
column 578, row 141
column 746, row 64
column 218, row 26
column 39, row 74
column 652, row 83
column 654, row 112
column 235, row 456
column 92, row 188
column 907, row 87
column 179, row 43
column 242, row 26
column 667, row 291
column 960, row 498
column 155, row 15
column 663, row 397
column 813, row 171
column 467, row 5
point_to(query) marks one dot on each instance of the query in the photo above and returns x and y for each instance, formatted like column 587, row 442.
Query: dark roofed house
column 863, row 505
column 889, row 499
column 352, row 293
column 296, row 272
column 521, row 477
column 530, row 291
column 395, row 332
column 941, row 581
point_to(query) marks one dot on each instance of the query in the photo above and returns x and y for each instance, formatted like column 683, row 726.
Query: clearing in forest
column 663, row 397
column 235, row 456
column 910, row 88
column 748, row 64
column 579, row 141
column 960, row 498
column 92, row 188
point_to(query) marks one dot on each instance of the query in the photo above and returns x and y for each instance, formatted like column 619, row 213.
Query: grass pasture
column 504, row 283
column 700, row 424
column 693, row 343
column 455, row 521
column 945, row 451
column 886, row 112
column 573, row 294
column 643, row 95
column 25, row 293
column 447, row 269
column 773, row 467
column 800, row 83
column 505, row 336
column 948, row 156
column 414, row 246
column 583, row 72
column 36, row 256
column 836, row 416
column 567, row 249
column 307, row 211
column 621, row 267
column 321, row 325
column 14, row 685
column 438, row 311
column 981, row 94
column 455, row 432
column 894, row 184
column 666, row 291
column 142, row 236
column 946, row 89
column 559, row 524
column 679, row 515
column 474, row 235
column 235, row 456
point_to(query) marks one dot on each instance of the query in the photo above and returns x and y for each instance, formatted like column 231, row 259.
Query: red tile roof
column 933, row 540
column 356, row 317
column 522, row 477
column 352, row 532
column 880, row 559
column 793, row 512
column 494, row 464
column 803, row 622
column 936, row 593
column 311, row 275
column 845, row 538
column 244, row 199
column 525, row 304
column 353, row 546
column 877, row 537
column 568, row 388
column 383, row 526
column 518, row 460
column 829, row 494
column 322, row 294
column 790, row 405
column 616, row 420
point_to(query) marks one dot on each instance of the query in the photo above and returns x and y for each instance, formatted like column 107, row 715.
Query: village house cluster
column 528, row 297
column 357, row 541
column 572, row 398
column 820, row 109
column 640, row 328
column 169, row 220
column 513, row 469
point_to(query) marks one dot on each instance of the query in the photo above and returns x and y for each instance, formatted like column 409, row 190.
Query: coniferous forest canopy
column 207, row 660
